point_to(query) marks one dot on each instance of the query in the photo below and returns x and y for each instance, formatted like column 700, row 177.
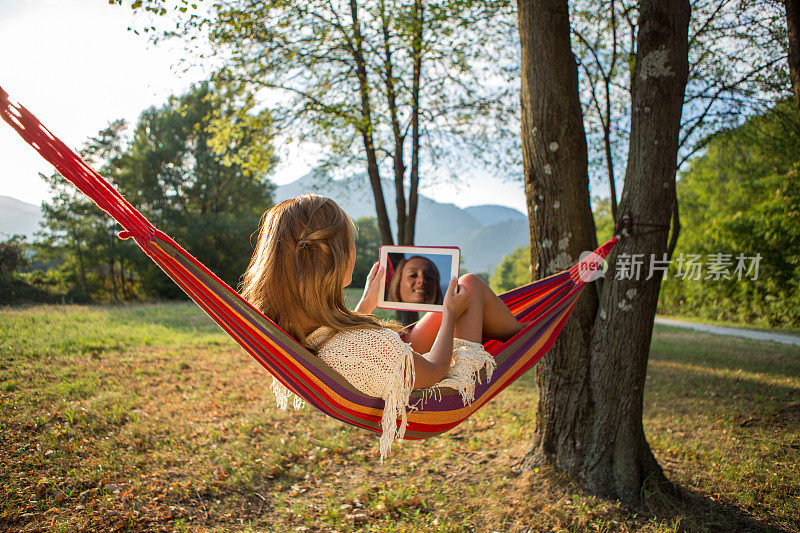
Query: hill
column 485, row 233
column 18, row 217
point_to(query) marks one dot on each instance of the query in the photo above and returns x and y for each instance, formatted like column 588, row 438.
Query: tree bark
column 416, row 50
column 619, row 458
column 112, row 273
column 81, row 265
column 591, row 384
column 399, row 138
column 793, row 33
column 561, row 226
column 365, row 128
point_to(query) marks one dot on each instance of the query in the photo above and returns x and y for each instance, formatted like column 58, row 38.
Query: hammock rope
column 543, row 306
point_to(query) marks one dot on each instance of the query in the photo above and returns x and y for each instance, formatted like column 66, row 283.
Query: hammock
column 544, row 305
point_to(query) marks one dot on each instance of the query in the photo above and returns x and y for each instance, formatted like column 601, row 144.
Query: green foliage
column 196, row 167
column 312, row 51
column 737, row 55
column 367, row 246
column 78, row 238
column 12, row 256
column 373, row 82
column 14, row 288
column 603, row 221
column 742, row 197
column 514, row 270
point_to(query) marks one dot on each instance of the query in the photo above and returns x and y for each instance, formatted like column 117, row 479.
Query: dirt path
column 785, row 338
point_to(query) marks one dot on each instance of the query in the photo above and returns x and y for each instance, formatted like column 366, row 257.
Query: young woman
column 304, row 258
column 417, row 280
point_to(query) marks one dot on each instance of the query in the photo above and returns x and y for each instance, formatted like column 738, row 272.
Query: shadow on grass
column 554, row 501
column 699, row 512
column 692, row 511
column 735, row 397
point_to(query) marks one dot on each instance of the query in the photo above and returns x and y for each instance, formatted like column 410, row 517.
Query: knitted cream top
column 377, row 362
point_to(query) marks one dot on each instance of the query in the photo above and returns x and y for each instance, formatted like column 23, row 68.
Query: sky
column 77, row 67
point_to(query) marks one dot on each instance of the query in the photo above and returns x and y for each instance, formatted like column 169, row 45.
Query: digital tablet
column 416, row 277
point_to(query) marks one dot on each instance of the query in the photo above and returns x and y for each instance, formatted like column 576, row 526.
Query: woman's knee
column 475, row 285
column 471, row 281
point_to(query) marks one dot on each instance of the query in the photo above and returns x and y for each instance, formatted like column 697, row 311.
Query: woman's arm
column 369, row 300
column 431, row 368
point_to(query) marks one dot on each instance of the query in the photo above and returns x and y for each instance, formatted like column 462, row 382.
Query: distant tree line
column 196, row 167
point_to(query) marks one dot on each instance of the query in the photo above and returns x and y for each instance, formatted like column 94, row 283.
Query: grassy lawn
column 149, row 418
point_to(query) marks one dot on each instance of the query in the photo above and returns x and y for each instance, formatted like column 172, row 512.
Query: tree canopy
column 407, row 88
column 196, row 167
column 737, row 67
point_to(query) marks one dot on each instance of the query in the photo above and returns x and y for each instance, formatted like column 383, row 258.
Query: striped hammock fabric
column 543, row 305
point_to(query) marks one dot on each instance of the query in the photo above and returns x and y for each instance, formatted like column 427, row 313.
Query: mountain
column 485, row 248
column 484, row 233
column 493, row 214
column 18, row 217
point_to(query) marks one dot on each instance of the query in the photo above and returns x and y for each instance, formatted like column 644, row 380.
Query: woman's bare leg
column 487, row 316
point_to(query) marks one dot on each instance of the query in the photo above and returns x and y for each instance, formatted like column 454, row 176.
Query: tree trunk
column 619, row 459
column 416, row 50
column 399, row 138
column 561, row 226
column 123, row 285
column 81, row 265
column 365, row 128
column 113, row 275
column 793, row 34
column 591, row 384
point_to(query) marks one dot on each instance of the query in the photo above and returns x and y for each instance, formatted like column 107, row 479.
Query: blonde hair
column 298, row 269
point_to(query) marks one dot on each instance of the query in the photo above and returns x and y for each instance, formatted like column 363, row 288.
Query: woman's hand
column 456, row 300
column 369, row 300
column 430, row 368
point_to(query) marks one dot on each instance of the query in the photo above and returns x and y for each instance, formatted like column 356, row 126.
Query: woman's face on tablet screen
column 418, row 283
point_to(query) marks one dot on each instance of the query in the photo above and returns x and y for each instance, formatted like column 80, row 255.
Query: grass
column 149, row 418
column 351, row 297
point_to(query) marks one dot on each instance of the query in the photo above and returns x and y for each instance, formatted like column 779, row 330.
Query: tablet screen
column 416, row 277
